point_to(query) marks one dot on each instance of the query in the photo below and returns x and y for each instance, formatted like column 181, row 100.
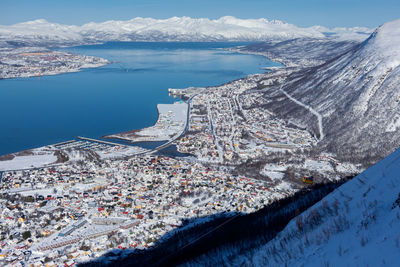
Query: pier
column 99, row 141
column 63, row 143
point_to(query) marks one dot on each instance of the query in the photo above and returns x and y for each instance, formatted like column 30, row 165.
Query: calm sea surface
column 118, row 97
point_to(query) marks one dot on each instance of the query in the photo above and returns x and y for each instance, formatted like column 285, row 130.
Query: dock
column 63, row 143
column 99, row 141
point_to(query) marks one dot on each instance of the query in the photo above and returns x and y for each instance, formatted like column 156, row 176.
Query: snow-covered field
column 171, row 123
column 274, row 171
column 116, row 152
column 346, row 167
column 274, row 175
column 318, row 165
column 26, row 162
column 172, row 119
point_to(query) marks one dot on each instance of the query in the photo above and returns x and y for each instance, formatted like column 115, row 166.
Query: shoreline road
column 185, row 129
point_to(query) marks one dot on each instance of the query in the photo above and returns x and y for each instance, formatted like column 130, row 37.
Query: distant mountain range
column 42, row 32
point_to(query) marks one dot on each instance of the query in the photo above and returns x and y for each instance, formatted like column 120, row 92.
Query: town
column 34, row 61
column 95, row 196
column 79, row 211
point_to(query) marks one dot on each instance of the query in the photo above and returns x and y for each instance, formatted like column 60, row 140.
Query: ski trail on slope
column 313, row 111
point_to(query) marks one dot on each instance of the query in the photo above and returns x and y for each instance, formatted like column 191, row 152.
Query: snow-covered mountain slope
column 358, row 224
column 356, row 97
column 301, row 52
column 172, row 29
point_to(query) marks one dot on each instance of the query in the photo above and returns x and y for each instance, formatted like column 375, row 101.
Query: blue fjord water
column 118, row 97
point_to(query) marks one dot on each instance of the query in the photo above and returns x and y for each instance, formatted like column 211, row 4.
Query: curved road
column 313, row 111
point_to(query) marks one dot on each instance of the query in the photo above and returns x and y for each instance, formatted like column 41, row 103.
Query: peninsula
column 36, row 61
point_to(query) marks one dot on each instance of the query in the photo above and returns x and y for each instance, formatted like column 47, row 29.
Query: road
column 313, row 111
column 179, row 136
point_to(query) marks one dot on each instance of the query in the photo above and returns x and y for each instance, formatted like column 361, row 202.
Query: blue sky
column 330, row 13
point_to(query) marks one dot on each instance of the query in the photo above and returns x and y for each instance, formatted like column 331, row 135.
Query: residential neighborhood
column 80, row 211
column 74, row 201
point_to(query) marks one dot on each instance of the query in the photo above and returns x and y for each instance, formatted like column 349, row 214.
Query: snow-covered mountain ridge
column 357, row 94
column 356, row 225
column 173, row 29
column 384, row 45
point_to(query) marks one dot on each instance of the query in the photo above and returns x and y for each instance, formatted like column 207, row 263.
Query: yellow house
column 74, row 255
column 46, row 233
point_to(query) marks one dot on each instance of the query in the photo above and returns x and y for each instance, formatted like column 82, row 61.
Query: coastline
column 50, row 73
column 172, row 119
column 285, row 63
column 82, row 147
column 135, row 137
column 36, row 62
